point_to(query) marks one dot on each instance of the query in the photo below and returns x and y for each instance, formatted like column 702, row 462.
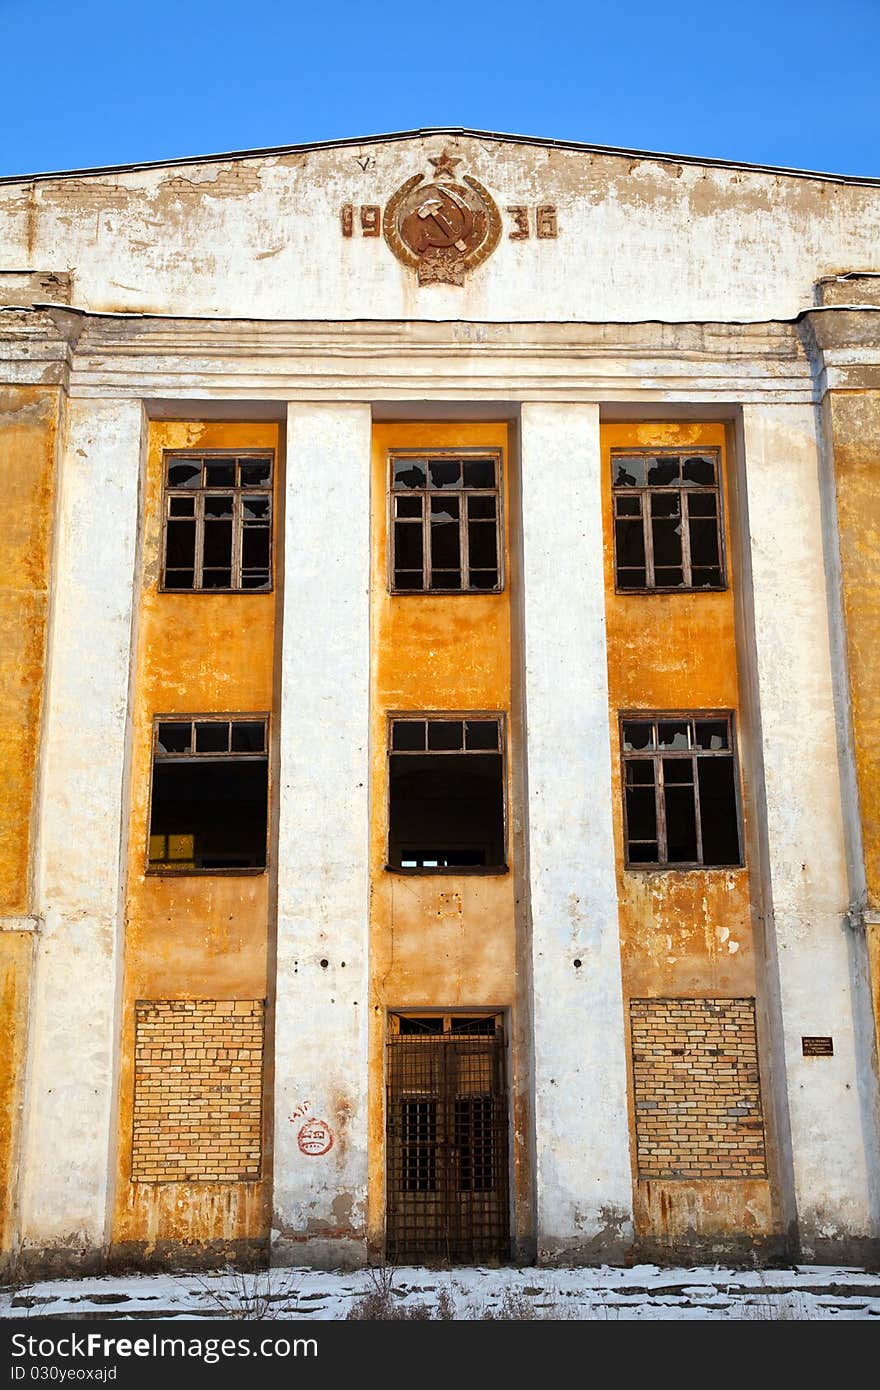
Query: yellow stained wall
column 685, row 933
column 193, row 937
column 28, row 435
column 855, row 433
column 436, row 940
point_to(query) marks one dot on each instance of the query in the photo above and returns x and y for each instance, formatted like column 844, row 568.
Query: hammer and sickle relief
column 442, row 230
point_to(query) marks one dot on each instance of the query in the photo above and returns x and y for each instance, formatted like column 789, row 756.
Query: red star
column 444, row 165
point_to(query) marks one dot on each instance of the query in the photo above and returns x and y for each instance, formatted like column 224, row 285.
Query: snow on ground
column 802, row 1292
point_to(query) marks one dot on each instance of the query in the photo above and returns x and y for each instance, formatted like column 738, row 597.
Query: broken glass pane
column 181, row 506
column 218, row 506
column 711, row 734
column 638, row 734
column 673, row 734
column 479, row 472
column 629, row 472
column 187, row 474
column 255, row 508
column 663, row 472
column 699, row 471
column 445, row 472
column 409, row 473
column 174, row 738
column 254, row 472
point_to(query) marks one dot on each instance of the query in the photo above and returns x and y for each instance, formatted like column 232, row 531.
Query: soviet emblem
column 442, row 229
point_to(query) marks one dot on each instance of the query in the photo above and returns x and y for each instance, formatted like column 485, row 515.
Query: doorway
column 447, row 1140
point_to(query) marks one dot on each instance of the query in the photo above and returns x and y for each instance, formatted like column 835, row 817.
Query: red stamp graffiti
column 315, row 1138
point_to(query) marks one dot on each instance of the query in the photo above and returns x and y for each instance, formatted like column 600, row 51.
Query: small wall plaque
column 818, row 1047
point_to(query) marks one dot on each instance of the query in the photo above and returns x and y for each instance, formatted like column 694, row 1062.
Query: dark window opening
column 209, row 802
column 680, row 791
column 445, row 524
column 446, row 795
column 218, row 522
column 667, row 521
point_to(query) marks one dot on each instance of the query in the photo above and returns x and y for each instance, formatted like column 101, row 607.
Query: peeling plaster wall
column 808, row 885
column 260, row 236
column 191, row 937
column 322, row 984
column 582, row 1144
column 440, row 942
column 684, row 933
column 70, row 1087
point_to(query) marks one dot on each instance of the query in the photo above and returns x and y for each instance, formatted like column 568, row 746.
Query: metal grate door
column 447, row 1142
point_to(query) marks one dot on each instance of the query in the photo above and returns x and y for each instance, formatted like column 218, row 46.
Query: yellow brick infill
column 696, row 1089
column 197, row 1090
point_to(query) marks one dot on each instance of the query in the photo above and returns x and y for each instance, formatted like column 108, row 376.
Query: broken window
column 446, row 793
column 680, row 790
column 446, row 523
column 217, row 521
column 667, row 520
column 209, row 802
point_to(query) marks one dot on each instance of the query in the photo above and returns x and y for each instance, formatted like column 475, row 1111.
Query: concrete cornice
column 843, row 342
column 161, row 358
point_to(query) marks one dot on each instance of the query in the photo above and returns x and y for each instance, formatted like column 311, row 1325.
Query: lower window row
column 447, row 798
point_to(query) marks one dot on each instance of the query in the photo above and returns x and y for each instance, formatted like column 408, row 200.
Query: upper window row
column 445, row 522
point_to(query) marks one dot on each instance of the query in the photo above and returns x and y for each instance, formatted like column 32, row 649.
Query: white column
column 67, row 1143
column 808, row 887
column 583, row 1178
column 323, row 878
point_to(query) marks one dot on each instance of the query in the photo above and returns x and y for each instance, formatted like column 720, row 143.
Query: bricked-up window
column 446, row 794
column 667, row 520
column 696, row 1089
column 209, row 803
column 198, row 1072
column 217, row 521
column 680, row 790
column 446, row 523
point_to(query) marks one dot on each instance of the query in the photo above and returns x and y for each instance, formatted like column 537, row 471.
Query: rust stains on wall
column 855, row 424
column 16, row 953
column 683, row 932
column 189, row 936
column 28, row 426
column 437, row 941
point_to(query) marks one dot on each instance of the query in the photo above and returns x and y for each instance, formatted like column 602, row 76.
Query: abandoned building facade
column 440, row 610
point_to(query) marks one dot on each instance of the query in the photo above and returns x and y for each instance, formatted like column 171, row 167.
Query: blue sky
column 789, row 82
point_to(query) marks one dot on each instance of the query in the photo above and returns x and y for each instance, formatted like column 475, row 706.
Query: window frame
column 153, row 870
column 621, row 451
column 470, row 451
column 237, row 490
column 656, row 756
column 425, row 717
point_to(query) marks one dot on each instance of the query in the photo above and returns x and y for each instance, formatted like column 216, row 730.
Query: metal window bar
column 446, row 1151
